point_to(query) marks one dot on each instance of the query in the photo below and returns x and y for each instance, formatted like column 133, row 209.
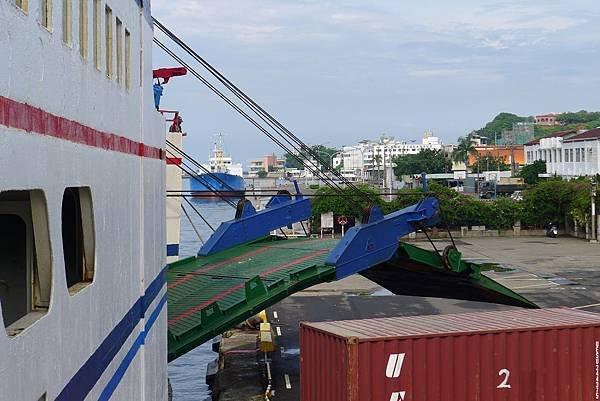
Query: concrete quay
column 552, row 272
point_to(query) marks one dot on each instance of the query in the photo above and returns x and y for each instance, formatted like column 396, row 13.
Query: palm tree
column 377, row 159
column 464, row 149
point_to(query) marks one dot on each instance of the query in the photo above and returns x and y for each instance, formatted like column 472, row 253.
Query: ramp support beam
column 282, row 210
column 377, row 241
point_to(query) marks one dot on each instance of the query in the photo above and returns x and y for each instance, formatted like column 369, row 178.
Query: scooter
column 552, row 230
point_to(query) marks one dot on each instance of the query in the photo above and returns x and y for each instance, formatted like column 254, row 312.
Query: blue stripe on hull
column 88, row 375
column 207, row 183
column 116, row 378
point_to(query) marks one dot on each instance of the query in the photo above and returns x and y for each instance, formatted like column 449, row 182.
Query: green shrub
column 505, row 213
column 348, row 203
column 549, row 201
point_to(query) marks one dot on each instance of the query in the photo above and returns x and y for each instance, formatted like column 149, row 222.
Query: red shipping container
column 513, row 355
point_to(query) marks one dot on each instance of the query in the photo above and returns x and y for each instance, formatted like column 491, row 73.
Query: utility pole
column 594, row 236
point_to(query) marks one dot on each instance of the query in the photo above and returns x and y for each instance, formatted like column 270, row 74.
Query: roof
column 458, row 324
column 547, row 115
column 591, row 134
column 553, row 135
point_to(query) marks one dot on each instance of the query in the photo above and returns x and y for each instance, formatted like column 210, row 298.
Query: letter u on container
column 512, row 355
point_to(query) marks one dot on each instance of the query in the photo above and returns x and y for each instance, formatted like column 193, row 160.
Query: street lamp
column 321, row 152
column 333, row 157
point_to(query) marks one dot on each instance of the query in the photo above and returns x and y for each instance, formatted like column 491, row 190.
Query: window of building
column 97, row 33
column 78, row 238
column 119, row 33
column 582, row 154
column 127, row 59
column 22, row 4
column 46, row 14
column 571, row 155
column 83, row 28
column 67, row 21
column 25, row 259
column 577, row 155
column 108, row 32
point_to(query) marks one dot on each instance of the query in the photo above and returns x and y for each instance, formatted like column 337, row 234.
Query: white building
column 567, row 154
column 369, row 159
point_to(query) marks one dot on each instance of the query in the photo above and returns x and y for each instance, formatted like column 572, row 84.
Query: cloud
column 248, row 21
column 350, row 67
column 472, row 74
column 496, row 26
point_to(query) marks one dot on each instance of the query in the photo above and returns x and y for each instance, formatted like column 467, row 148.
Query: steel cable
column 258, row 110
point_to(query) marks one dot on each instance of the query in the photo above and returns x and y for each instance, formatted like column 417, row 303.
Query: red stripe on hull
column 174, row 160
column 22, row 116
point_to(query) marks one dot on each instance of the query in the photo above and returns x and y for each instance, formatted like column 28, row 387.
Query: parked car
column 517, row 195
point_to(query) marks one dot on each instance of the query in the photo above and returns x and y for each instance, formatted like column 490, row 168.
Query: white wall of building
column 365, row 159
column 567, row 158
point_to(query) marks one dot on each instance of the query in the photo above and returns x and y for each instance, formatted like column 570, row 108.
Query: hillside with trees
column 501, row 122
column 570, row 121
column 580, row 120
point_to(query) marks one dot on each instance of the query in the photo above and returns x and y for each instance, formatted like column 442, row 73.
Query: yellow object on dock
column 266, row 338
column 263, row 316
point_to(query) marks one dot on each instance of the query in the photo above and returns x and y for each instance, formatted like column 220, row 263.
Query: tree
column 490, row 163
column 581, row 120
column 501, row 122
column 349, row 202
column 464, row 149
column 530, row 172
column 426, row 161
column 378, row 160
column 325, row 153
column 579, row 117
column 292, row 162
column 551, row 201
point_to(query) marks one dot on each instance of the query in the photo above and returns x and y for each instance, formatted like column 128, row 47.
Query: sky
column 336, row 72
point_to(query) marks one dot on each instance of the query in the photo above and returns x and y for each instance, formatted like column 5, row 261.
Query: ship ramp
column 209, row 294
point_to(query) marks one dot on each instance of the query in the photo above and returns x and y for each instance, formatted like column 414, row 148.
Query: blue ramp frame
column 377, row 241
column 281, row 211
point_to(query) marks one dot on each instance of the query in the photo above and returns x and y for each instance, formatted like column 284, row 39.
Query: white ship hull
column 64, row 124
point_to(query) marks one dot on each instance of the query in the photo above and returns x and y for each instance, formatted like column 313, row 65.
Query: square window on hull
column 25, row 259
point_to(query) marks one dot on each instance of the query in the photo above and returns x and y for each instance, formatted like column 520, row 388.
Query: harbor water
column 187, row 373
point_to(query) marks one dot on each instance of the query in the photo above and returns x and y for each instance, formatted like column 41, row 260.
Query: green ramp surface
column 210, row 294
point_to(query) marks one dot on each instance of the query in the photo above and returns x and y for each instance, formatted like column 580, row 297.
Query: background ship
column 225, row 179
